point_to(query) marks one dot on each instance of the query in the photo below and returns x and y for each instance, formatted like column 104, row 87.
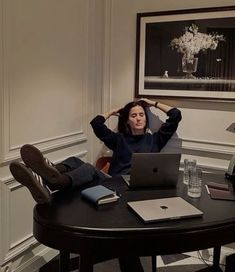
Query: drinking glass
column 195, row 182
column 188, row 164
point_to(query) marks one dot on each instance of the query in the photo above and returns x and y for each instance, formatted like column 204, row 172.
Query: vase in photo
column 189, row 66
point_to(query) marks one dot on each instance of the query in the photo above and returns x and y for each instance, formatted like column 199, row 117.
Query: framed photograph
column 186, row 54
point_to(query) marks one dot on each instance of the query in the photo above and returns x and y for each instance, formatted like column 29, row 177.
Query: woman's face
column 137, row 120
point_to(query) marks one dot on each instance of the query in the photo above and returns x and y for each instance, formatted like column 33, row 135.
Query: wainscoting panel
column 46, row 145
column 211, row 156
column 16, row 224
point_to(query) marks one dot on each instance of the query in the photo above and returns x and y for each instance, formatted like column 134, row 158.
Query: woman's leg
column 84, row 174
column 71, row 171
column 69, row 164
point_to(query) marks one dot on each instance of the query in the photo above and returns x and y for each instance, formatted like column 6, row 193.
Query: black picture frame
column 215, row 75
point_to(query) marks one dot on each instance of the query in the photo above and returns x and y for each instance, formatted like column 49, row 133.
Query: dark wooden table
column 73, row 225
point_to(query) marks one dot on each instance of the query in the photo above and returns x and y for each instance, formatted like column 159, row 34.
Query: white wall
column 202, row 132
column 51, row 77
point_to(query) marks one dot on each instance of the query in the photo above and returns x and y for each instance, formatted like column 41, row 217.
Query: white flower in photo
column 193, row 41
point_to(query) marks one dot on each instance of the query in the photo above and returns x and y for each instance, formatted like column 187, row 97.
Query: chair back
column 103, row 163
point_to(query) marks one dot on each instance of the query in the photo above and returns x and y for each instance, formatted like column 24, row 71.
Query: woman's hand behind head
column 147, row 102
column 116, row 112
column 113, row 112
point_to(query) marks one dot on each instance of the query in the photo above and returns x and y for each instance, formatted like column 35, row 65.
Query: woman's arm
column 168, row 128
column 102, row 132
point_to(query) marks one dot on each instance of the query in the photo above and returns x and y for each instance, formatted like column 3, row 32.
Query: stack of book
column 99, row 195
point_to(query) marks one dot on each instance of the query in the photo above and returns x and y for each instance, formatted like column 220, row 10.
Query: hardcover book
column 99, row 195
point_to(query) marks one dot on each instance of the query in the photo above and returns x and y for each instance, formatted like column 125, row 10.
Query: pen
column 207, row 189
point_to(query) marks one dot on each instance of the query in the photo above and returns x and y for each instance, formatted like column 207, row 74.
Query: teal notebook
column 99, row 195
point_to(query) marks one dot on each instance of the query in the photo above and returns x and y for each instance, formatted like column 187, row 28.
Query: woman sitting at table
column 42, row 177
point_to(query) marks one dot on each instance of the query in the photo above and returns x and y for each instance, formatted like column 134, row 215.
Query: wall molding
column 48, row 144
column 196, row 145
column 10, row 249
column 2, row 77
column 211, row 156
column 107, row 78
column 208, row 146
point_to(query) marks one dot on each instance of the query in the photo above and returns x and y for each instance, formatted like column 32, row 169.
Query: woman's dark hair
column 123, row 127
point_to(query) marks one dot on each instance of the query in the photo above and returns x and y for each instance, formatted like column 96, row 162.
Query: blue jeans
column 81, row 173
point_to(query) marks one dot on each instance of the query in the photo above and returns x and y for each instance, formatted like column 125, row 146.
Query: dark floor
column 112, row 265
column 53, row 265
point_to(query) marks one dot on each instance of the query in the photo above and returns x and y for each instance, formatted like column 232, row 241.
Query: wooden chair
column 103, row 164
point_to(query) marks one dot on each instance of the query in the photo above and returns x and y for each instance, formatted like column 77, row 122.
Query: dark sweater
column 123, row 145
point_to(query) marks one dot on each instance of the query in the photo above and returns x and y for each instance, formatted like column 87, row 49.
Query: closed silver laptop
column 153, row 169
column 171, row 208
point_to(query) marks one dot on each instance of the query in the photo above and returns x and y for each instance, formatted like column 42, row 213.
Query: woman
column 41, row 176
column 133, row 135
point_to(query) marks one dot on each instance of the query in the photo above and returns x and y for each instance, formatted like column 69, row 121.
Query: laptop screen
column 154, row 169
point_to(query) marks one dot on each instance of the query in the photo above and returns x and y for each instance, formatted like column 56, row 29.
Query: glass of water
column 188, row 164
column 195, row 182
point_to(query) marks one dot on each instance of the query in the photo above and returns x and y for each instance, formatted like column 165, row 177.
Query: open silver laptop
column 153, row 169
column 172, row 208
